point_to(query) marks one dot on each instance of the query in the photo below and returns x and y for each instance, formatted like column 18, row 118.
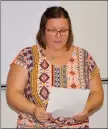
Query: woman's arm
column 16, row 81
column 96, row 97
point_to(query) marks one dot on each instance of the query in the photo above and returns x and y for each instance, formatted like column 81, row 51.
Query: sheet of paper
column 65, row 102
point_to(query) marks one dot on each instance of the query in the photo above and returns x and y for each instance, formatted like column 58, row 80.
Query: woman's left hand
column 80, row 117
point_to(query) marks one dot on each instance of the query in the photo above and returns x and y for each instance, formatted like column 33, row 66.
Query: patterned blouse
column 43, row 75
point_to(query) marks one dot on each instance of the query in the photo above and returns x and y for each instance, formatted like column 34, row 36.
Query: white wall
column 20, row 23
column 9, row 117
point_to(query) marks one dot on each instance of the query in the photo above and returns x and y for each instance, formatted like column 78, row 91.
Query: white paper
column 65, row 102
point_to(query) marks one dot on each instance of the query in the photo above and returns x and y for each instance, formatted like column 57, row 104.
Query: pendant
column 53, row 58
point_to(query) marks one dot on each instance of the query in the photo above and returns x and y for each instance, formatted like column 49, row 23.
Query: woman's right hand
column 41, row 115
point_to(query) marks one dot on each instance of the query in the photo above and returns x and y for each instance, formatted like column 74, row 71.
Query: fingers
column 45, row 115
column 42, row 115
column 43, row 118
column 80, row 117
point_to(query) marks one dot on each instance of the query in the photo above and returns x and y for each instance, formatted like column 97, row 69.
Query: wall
column 20, row 23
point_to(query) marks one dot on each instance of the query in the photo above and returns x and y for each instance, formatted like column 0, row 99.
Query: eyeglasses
column 54, row 32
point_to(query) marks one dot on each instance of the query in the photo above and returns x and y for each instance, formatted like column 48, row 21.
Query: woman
column 38, row 68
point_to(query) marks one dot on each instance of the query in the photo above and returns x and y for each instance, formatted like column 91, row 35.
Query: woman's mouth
column 57, row 41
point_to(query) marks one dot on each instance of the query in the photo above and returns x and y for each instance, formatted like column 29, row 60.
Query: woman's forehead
column 57, row 22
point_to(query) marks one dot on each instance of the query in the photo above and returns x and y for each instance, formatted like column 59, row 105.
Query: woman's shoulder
column 28, row 49
column 84, row 53
column 25, row 57
column 81, row 50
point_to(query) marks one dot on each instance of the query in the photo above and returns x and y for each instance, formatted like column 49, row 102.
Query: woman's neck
column 55, row 52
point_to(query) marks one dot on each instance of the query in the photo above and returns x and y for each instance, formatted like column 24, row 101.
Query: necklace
column 54, row 57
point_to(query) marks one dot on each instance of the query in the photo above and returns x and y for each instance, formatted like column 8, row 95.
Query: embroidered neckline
column 49, row 62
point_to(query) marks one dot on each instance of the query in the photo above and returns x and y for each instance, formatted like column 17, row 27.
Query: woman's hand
column 80, row 117
column 41, row 114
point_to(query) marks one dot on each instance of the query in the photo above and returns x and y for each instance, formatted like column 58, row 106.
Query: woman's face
column 56, row 33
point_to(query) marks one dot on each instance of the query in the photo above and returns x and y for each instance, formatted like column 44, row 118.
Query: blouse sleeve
column 22, row 59
column 92, row 66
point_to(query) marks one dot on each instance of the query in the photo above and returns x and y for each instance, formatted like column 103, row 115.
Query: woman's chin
column 59, row 45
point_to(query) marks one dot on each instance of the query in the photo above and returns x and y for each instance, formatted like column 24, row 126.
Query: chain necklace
column 54, row 57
